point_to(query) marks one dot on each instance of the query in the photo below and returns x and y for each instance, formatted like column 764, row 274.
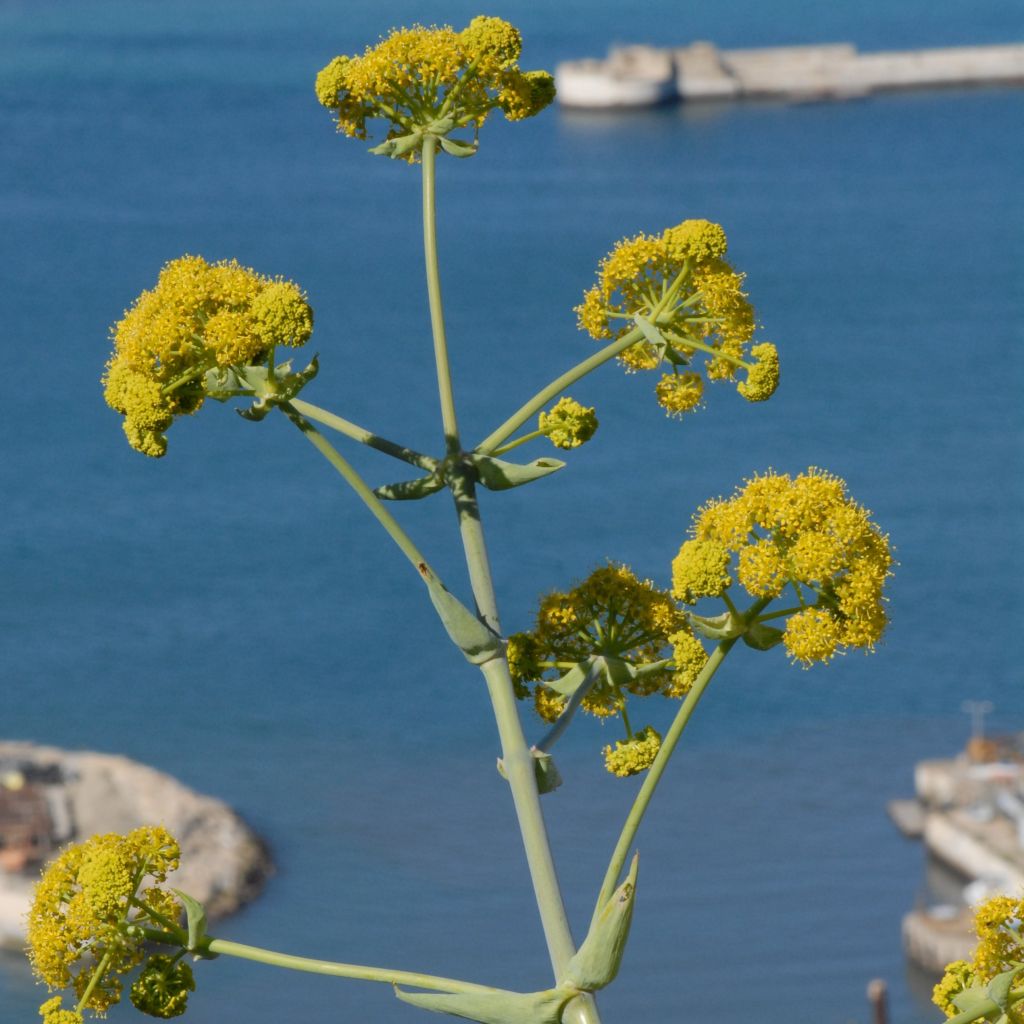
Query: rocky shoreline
column 224, row 864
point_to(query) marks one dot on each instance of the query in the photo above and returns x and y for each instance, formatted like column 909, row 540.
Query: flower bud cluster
column 568, row 424
column 200, row 317
column 79, row 924
column 800, row 535
column 682, row 284
column 433, row 81
column 635, row 755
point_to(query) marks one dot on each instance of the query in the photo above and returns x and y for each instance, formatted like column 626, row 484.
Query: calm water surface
column 230, row 615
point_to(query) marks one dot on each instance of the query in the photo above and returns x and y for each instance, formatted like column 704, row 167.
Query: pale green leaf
column 498, row 475
column 762, row 637
column 497, row 1007
column 597, row 961
column 410, row 490
column 195, row 915
column 467, row 632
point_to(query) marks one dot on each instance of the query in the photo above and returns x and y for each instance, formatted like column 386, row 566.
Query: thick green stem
column 654, row 773
column 363, row 436
column 554, row 389
column 338, row 970
column 444, row 377
column 516, row 756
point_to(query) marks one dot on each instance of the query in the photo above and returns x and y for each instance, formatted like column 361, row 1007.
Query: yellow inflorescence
column 619, row 617
column 678, row 393
column 635, row 755
column 568, row 424
column 701, row 569
column 997, row 923
column 52, row 1013
column 80, row 909
column 200, row 316
column 688, row 658
column 433, row 80
column 803, row 535
column 681, row 283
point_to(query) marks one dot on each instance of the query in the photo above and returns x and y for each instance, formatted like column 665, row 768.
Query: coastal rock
column 223, row 864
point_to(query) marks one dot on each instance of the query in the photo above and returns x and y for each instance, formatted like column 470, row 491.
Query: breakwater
column 642, row 76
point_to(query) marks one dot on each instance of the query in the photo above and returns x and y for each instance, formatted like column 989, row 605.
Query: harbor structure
column 639, row 76
column 969, row 812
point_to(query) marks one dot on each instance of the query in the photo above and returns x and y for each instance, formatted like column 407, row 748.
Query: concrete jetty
column 644, row 76
column 969, row 812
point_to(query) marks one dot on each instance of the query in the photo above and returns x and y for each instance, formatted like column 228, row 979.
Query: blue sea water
column 231, row 616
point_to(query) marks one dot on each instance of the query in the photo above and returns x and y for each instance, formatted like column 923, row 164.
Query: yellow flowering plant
column 790, row 561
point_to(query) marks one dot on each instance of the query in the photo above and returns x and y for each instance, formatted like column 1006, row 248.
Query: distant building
column 26, row 826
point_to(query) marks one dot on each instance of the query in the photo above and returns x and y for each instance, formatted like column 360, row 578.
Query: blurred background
column 229, row 614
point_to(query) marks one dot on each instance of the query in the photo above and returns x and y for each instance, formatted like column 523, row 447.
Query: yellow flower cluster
column 997, row 923
column 52, row 1013
column 629, row 624
column 635, row 755
column 200, row 317
column 681, row 283
column 568, row 424
column 433, row 80
column 801, row 533
column 78, row 931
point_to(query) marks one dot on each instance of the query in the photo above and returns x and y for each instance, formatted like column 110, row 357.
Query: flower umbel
column 802, row 536
column 680, row 282
column 191, row 337
column 610, row 638
column 433, row 81
column 81, row 925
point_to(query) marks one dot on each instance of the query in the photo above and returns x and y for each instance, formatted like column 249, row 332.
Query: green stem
column 225, row 947
column 444, row 377
column 93, row 981
column 357, row 433
column 516, row 756
column 555, row 388
column 654, row 773
column 362, row 489
column 532, row 436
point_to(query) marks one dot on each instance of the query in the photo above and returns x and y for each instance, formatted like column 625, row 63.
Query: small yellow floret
column 548, row 704
column 330, row 82
column 492, row 42
column 812, row 635
column 763, row 376
column 689, row 658
column 568, row 424
column 699, row 240
column 701, row 569
column 52, row 1013
column 635, row 755
column 679, row 393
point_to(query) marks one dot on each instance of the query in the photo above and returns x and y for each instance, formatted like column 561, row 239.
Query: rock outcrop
column 223, row 864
